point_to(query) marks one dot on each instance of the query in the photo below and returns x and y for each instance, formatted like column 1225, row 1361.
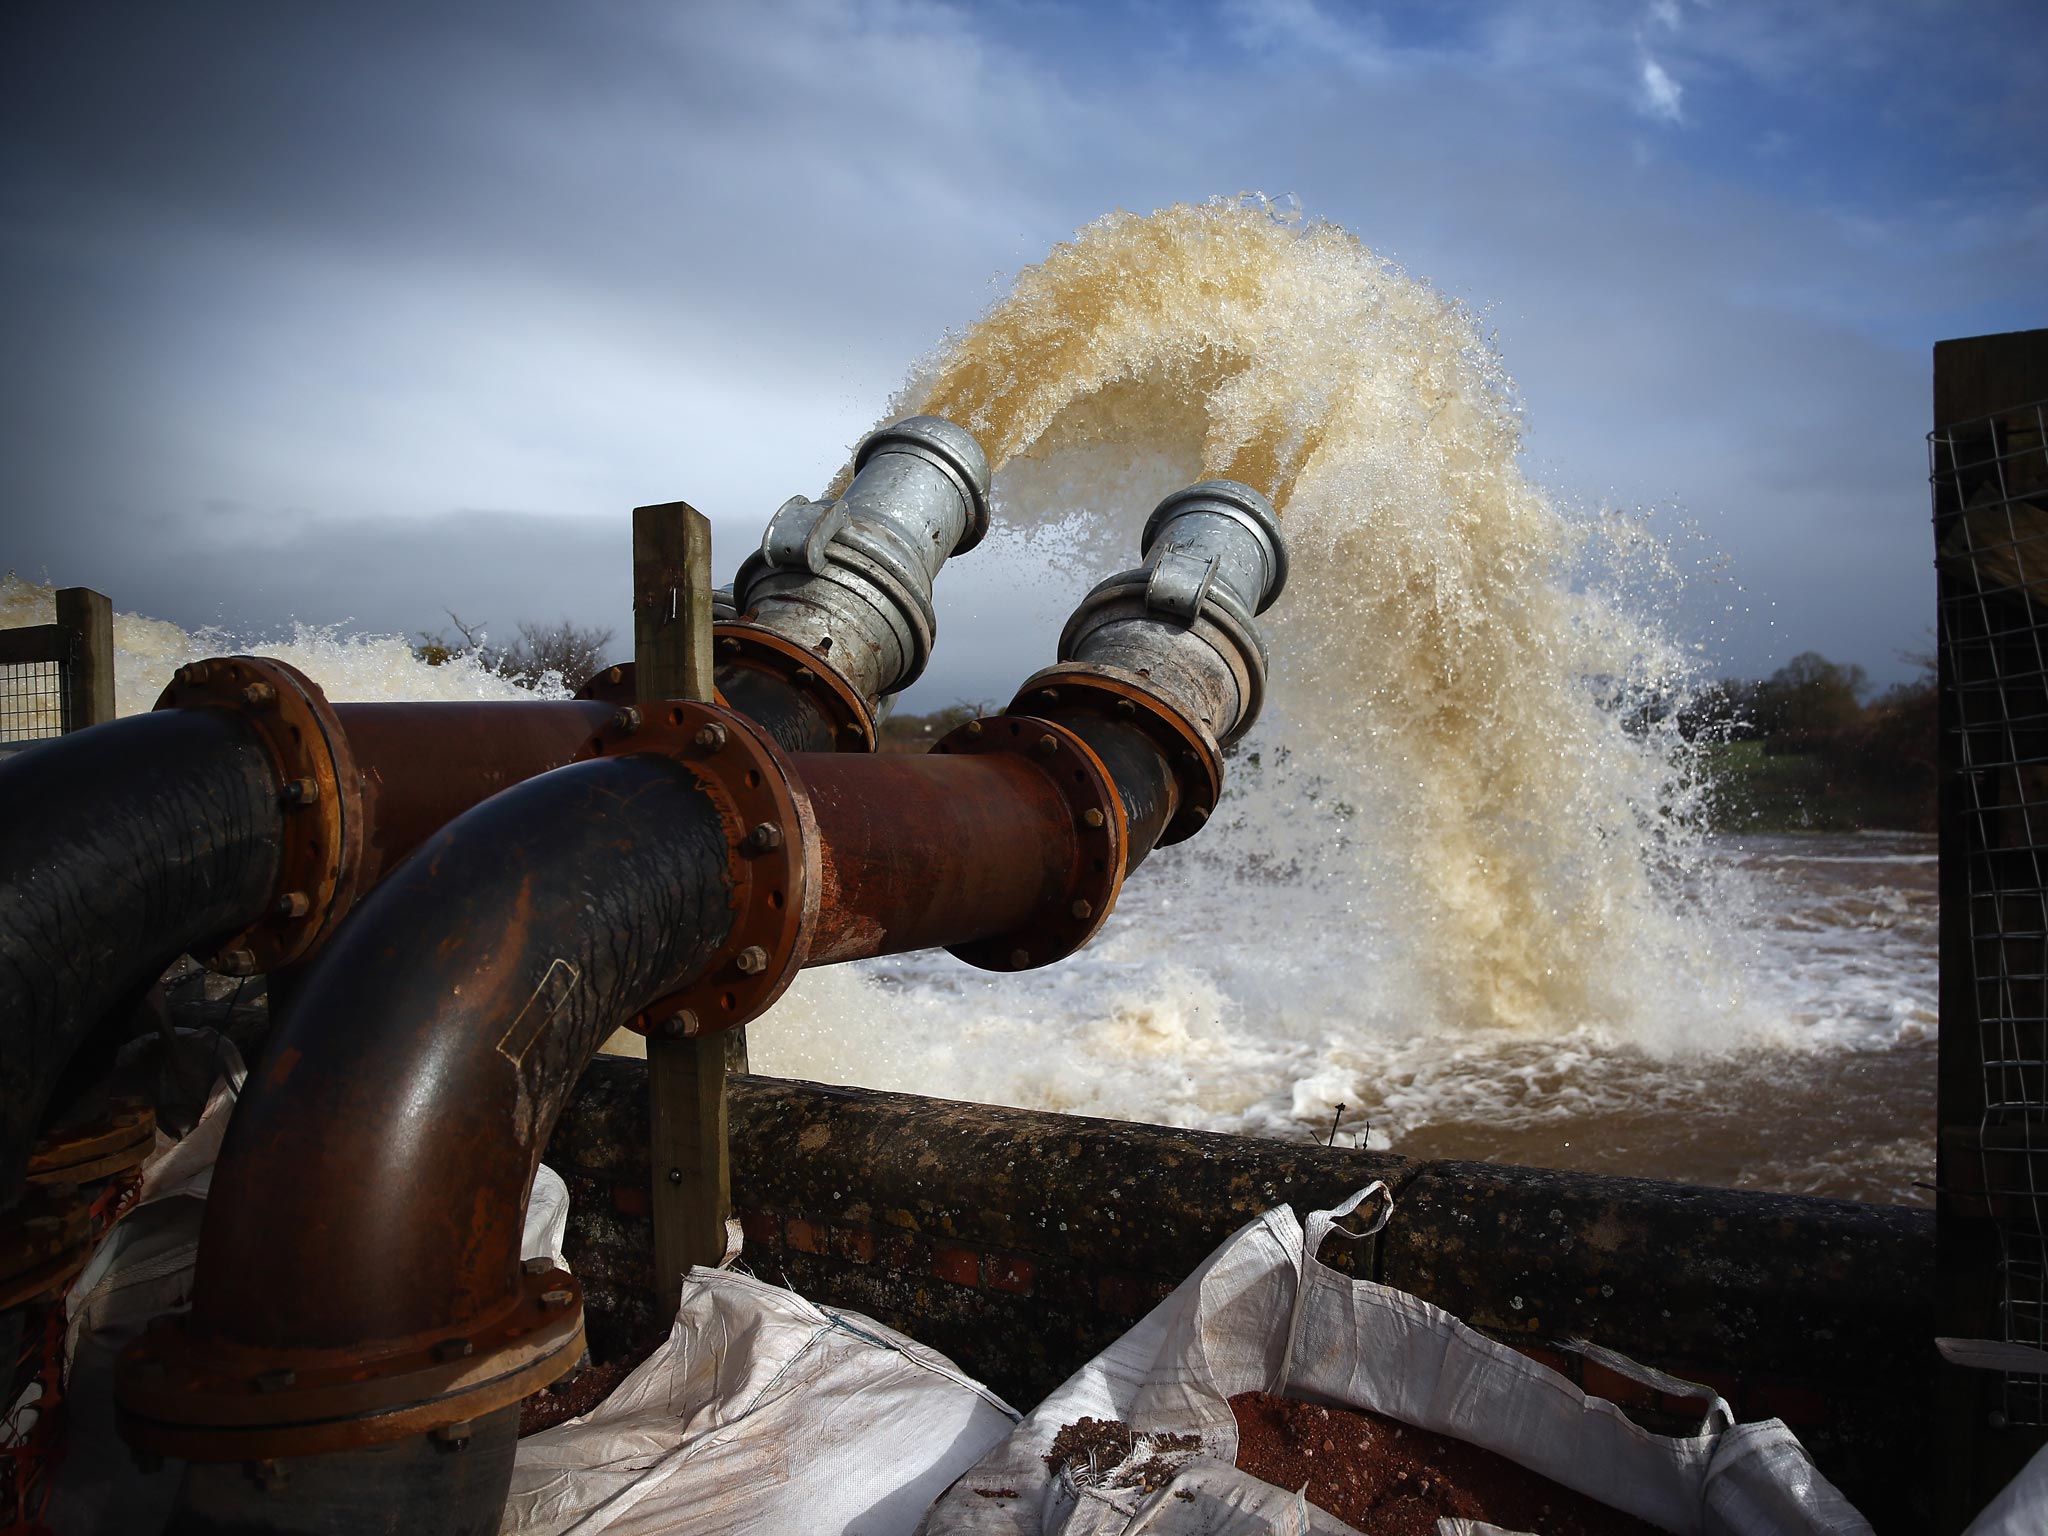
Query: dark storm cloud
column 346, row 268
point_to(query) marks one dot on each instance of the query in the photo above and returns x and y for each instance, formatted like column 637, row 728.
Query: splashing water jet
column 1432, row 655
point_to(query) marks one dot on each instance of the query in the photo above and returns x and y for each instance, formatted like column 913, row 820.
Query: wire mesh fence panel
column 31, row 700
column 1990, row 485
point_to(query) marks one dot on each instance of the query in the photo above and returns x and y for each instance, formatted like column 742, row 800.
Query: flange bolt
column 301, row 792
column 680, row 1025
column 752, row 960
column 710, row 737
column 259, row 695
column 1047, row 745
column 765, row 838
column 626, row 720
column 292, row 904
column 235, row 962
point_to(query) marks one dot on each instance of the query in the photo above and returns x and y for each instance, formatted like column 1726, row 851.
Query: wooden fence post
column 87, row 618
column 672, row 659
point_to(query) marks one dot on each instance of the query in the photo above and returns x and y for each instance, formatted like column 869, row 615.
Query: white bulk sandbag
column 762, row 1413
column 2021, row 1508
column 1263, row 1314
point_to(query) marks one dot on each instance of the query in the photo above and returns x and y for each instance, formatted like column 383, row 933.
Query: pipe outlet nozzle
column 1228, row 527
column 1183, row 621
column 851, row 579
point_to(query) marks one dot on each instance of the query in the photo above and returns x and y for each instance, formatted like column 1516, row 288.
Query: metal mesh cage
column 1990, row 485
column 31, row 700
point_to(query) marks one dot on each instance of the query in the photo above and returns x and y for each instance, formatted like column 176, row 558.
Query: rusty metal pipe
column 425, row 764
column 127, row 845
column 395, row 1124
column 919, row 852
column 121, row 847
column 411, row 1090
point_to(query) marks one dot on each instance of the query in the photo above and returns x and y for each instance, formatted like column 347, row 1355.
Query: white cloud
column 1661, row 97
column 1665, row 13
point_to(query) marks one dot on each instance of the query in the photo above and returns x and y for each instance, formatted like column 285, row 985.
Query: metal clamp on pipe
column 837, row 602
column 321, row 861
column 1172, row 649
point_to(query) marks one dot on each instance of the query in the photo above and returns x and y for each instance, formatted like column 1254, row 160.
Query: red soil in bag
column 1392, row 1479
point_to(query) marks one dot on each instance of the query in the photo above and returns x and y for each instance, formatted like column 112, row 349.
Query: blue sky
column 363, row 312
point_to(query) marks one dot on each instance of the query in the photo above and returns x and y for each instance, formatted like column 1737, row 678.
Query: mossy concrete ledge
column 1021, row 1243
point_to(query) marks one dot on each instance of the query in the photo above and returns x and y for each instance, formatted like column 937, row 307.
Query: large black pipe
column 787, row 713
column 393, row 1125
column 121, row 848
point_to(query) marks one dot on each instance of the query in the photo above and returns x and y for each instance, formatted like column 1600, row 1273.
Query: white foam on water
column 350, row 668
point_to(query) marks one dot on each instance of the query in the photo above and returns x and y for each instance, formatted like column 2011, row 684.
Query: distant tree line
column 573, row 651
column 1851, row 759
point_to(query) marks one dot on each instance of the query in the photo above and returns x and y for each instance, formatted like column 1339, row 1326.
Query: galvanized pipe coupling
column 1183, row 621
column 850, row 581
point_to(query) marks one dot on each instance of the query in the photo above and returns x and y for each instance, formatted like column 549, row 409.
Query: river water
column 1246, row 1004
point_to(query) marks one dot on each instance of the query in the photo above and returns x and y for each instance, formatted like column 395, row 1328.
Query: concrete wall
column 1022, row 1243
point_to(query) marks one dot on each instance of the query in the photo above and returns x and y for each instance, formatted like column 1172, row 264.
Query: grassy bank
column 1754, row 791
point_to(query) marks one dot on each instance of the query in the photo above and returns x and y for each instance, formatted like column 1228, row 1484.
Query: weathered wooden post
column 87, row 618
column 692, row 1181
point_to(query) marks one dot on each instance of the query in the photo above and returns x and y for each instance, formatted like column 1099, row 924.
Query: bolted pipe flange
column 47, row 1240
column 1189, row 751
column 326, row 813
column 99, row 1148
column 610, row 685
column 186, row 1397
column 772, row 861
column 756, row 648
column 1211, row 666
column 1096, row 870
